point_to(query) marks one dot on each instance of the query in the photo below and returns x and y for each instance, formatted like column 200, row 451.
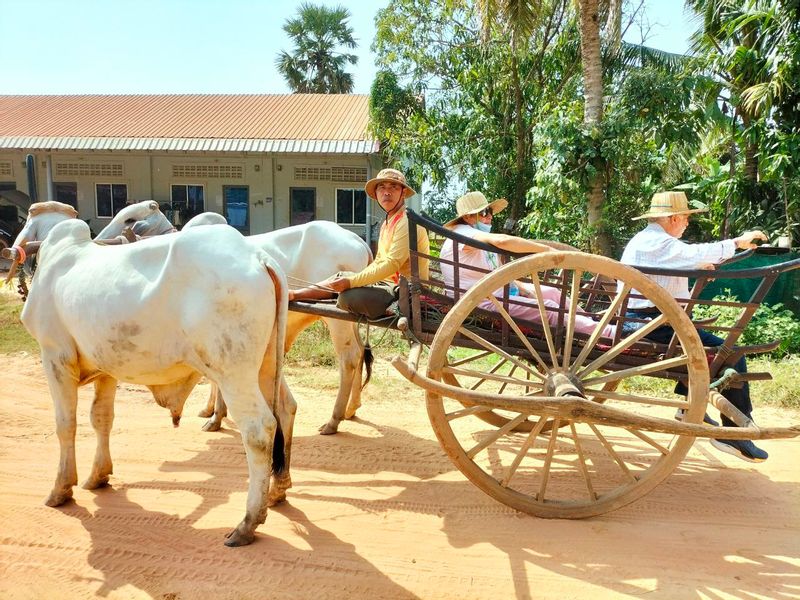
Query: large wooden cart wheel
column 554, row 465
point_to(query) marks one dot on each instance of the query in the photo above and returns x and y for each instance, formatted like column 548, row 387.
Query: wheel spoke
column 612, row 452
column 492, row 438
column 477, row 356
column 501, row 309
column 551, row 446
column 646, row 438
column 510, row 373
column 582, row 461
column 624, row 344
column 486, row 376
column 537, row 287
column 571, row 316
column 466, row 412
column 662, row 365
column 529, row 441
column 493, row 370
column 607, row 316
column 635, row 398
column 489, row 346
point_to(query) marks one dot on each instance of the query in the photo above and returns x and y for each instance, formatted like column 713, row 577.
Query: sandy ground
column 377, row 511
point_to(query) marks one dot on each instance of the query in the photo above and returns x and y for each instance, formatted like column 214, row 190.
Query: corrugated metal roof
column 192, row 145
column 308, row 123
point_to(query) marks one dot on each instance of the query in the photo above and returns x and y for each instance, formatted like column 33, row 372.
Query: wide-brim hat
column 390, row 175
column 472, row 203
column 666, row 204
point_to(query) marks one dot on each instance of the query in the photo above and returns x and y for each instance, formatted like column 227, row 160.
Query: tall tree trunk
column 518, row 203
column 592, row 117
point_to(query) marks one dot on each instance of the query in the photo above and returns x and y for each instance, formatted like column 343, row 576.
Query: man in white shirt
column 659, row 246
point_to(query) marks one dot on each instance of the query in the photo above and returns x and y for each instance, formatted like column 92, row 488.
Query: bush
column 769, row 323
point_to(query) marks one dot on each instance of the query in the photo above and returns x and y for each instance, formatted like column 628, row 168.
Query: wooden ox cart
column 543, row 418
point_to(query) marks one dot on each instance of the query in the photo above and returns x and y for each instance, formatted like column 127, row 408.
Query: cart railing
column 423, row 299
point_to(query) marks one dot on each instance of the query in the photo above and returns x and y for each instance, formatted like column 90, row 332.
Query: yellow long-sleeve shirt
column 392, row 258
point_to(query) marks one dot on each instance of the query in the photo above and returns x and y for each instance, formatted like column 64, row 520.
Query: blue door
column 236, row 204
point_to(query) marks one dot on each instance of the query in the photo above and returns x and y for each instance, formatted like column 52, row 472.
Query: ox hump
column 73, row 230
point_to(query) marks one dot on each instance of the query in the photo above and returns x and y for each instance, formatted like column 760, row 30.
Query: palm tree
column 520, row 17
column 316, row 64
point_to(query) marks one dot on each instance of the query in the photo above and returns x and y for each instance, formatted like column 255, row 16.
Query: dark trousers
column 371, row 301
column 739, row 397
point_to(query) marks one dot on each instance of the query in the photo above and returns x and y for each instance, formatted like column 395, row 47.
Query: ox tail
column 278, row 452
column 367, row 359
column 278, row 337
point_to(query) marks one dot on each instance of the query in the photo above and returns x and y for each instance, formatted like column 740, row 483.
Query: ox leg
column 348, row 347
column 64, row 391
column 102, row 416
column 208, row 410
column 215, row 409
column 257, row 427
column 285, row 411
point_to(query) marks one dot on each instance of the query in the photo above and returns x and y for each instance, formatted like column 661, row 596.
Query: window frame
column 187, row 185
column 72, row 183
column 353, row 206
column 293, row 189
column 111, row 190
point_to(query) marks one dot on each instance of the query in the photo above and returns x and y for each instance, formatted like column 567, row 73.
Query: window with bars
column 208, row 171
column 110, row 198
column 343, row 174
column 351, row 206
column 81, row 169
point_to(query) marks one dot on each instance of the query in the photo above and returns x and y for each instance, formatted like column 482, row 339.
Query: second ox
column 307, row 253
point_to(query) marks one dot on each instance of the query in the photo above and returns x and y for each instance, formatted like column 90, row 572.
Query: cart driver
column 658, row 245
column 371, row 291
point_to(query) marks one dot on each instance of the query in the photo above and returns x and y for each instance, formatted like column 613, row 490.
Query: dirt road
column 376, row 511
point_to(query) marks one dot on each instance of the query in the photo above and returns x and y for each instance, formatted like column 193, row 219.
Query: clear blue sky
column 191, row 46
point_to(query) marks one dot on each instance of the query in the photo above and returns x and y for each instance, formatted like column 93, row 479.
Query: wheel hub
column 560, row 383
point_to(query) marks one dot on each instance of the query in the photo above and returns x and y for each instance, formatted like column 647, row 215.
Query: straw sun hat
column 472, row 203
column 390, row 175
column 666, row 204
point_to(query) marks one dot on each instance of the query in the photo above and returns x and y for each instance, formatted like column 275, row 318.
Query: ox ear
column 153, row 205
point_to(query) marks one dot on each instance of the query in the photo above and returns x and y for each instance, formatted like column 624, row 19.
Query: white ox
column 309, row 253
column 161, row 313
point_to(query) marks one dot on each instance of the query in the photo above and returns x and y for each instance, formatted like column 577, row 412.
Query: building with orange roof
column 263, row 161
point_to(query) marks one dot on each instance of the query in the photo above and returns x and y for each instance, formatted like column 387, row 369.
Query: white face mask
column 486, row 227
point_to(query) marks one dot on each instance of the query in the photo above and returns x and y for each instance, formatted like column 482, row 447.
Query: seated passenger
column 659, row 245
column 475, row 221
column 371, row 291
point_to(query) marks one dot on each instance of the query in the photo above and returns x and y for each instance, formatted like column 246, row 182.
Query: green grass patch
column 13, row 336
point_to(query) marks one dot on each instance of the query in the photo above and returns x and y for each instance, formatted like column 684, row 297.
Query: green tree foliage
column 466, row 123
column 448, row 109
column 317, row 64
column 752, row 50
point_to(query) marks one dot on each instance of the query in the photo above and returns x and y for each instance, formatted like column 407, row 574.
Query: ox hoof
column 350, row 412
column 58, row 498
column 276, row 498
column 206, row 412
column 329, row 429
column 236, row 538
column 212, row 425
column 94, row 483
